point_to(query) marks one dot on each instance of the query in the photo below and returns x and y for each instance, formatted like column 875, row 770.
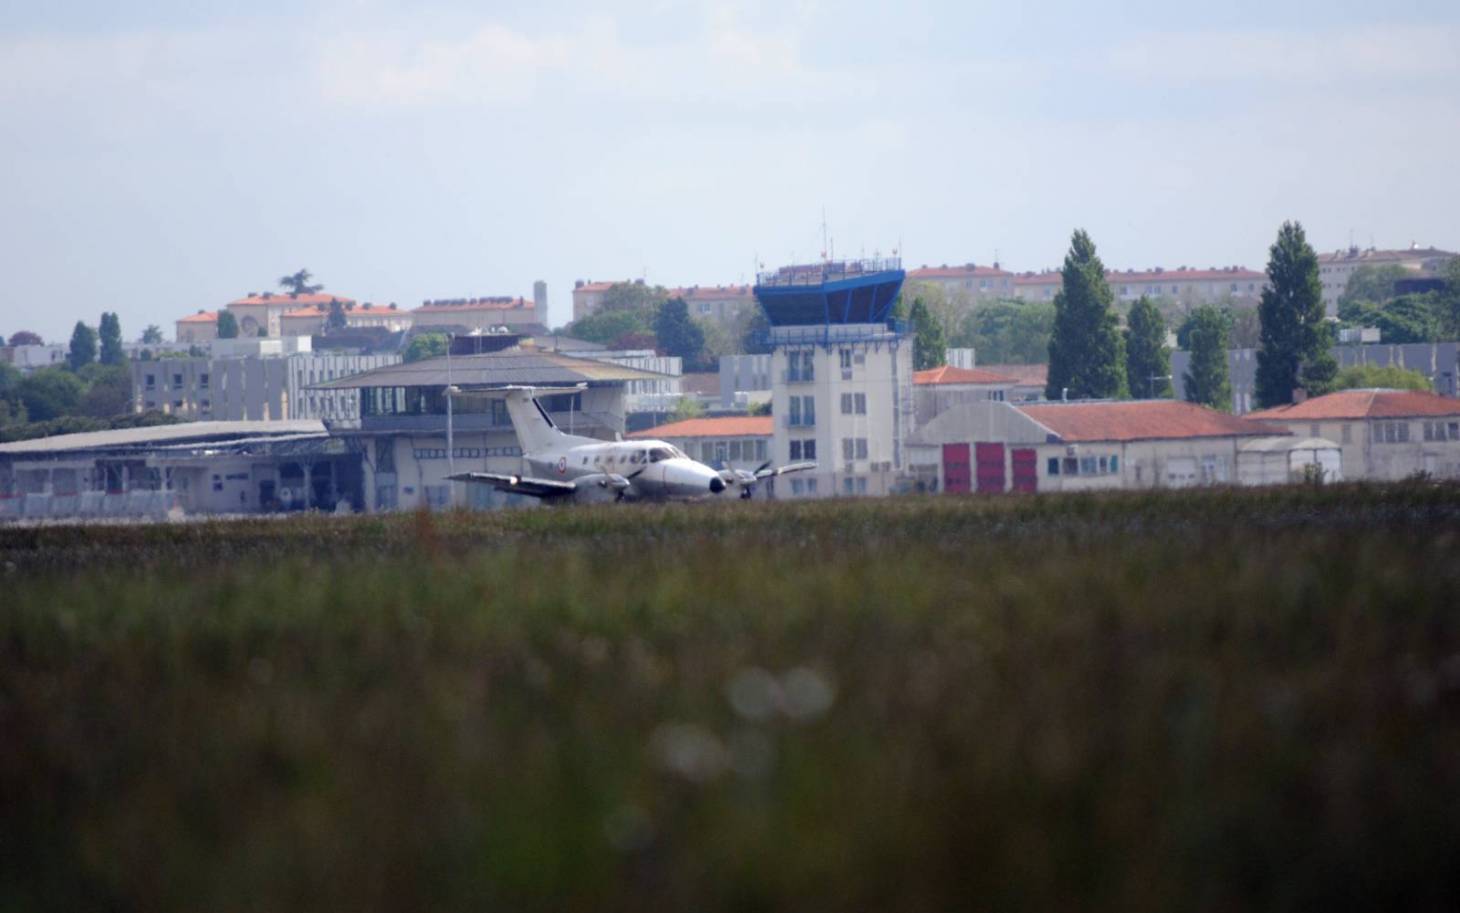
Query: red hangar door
column 955, row 469
column 990, row 460
column 1026, row 472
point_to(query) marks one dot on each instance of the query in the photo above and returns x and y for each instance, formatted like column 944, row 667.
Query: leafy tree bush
column 51, row 393
column 1008, row 332
column 298, row 283
column 152, row 335
column 25, row 338
column 426, row 345
column 1394, row 377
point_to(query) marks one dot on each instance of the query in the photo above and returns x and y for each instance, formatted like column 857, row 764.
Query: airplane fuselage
column 654, row 470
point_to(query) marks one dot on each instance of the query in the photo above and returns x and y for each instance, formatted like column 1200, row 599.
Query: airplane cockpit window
column 661, row 453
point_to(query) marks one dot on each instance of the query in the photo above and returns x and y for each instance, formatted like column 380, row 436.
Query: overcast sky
column 163, row 160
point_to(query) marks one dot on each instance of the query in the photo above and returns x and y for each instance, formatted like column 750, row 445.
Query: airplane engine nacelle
column 600, row 488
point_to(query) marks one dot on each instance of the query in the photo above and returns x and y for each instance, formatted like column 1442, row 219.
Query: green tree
column 152, row 335
column 1086, row 352
column 1008, row 332
column 336, row 319
column 110, row 333
column 632, row 296
column 609, row 327
column 1450, row 299
column 12, row 407
column 1147, row 360
column 83, row 347
column 1393, row 377
column 687, row 408
column 1206, row 377
column 755, row 332
column 426, row 345
column 25, row 338
column 1410, row 318
column 1295, row 341
column 298, row 283
column 227, row 325
column 678, row 334
column 1370, row 284
column 930, row 346
column 108, row 391
column 51, row 393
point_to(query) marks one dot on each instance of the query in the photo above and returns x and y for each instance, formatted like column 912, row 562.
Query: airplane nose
column 717, row 485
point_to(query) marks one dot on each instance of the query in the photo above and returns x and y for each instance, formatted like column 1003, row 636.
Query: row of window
column 465, row 453
column 803, row 486
column 731, row 451
column 149, row 381
column 803, row 449
column 1442, row 431
column 1391, row 432
column 1083, row 466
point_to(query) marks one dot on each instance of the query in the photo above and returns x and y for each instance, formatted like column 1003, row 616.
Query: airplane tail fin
column 535, row 431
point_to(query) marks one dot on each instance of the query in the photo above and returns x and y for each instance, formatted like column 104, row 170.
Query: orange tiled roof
column 956, row 272
column 727, row 426
column 285, row 299
column 458, row 305
column 1135, row 276
column 1025, row 375
column 948, row 374
column 201, row 317
column 1359, row 404
column 1142, row 420
column 710, row 292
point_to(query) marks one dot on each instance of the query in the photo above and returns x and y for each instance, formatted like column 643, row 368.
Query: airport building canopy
column 497, row 369
column 158, row 436
column 832, row 292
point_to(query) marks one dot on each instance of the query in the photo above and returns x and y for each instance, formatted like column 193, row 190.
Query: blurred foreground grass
column 1208, row 700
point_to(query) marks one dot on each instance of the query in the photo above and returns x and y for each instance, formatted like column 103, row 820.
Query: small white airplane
column 566, row 468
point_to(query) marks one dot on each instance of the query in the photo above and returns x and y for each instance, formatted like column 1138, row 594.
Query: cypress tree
column 1147, row 360
column 83, row 347
column 1295, row 340
column 1086, row 351
column 110, row 331
column 1206, row 378
column 930, row 344
column 227, row 325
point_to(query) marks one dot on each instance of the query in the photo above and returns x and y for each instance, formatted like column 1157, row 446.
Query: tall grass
column 1200, row 700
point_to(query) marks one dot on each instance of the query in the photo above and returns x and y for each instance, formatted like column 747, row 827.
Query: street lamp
column 1155, row 377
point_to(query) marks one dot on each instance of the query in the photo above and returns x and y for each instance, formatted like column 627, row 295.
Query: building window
column 1115, row 464
column 177, row 381
column 796, row 486
column 1087, row 465
column 860, row 401
column 861, row 448
column 151, row 381
column 735, row 448
column 848, row 448
column 800, row 367
column 845, row 356
column 760, row 450
column 1072, row 466
column 847, row 485
column 861, row 485
column 846, row 404
column 1054, row 466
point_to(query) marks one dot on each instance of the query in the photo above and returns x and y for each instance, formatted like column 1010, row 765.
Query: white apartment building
column 1335, row 269
column 1189, row 286
column 252, row 386
column 968, row 282
column 842, row 397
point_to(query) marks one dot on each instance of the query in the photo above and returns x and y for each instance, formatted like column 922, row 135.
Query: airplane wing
column 518, row 485
column 766, row 472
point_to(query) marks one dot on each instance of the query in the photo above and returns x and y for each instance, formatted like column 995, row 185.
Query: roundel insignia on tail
column 562, row 466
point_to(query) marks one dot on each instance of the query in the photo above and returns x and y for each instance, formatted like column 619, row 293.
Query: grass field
column 1210, row 701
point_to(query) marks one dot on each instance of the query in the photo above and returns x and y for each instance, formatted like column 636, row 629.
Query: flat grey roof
column 494, row 369
column 161, row 434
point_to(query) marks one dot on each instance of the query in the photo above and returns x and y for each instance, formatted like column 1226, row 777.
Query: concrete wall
column 879, row 370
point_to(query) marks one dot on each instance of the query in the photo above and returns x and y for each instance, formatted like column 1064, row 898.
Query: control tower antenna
column 825, row 238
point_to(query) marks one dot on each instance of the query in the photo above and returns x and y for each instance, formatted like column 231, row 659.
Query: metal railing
column 831, row 271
